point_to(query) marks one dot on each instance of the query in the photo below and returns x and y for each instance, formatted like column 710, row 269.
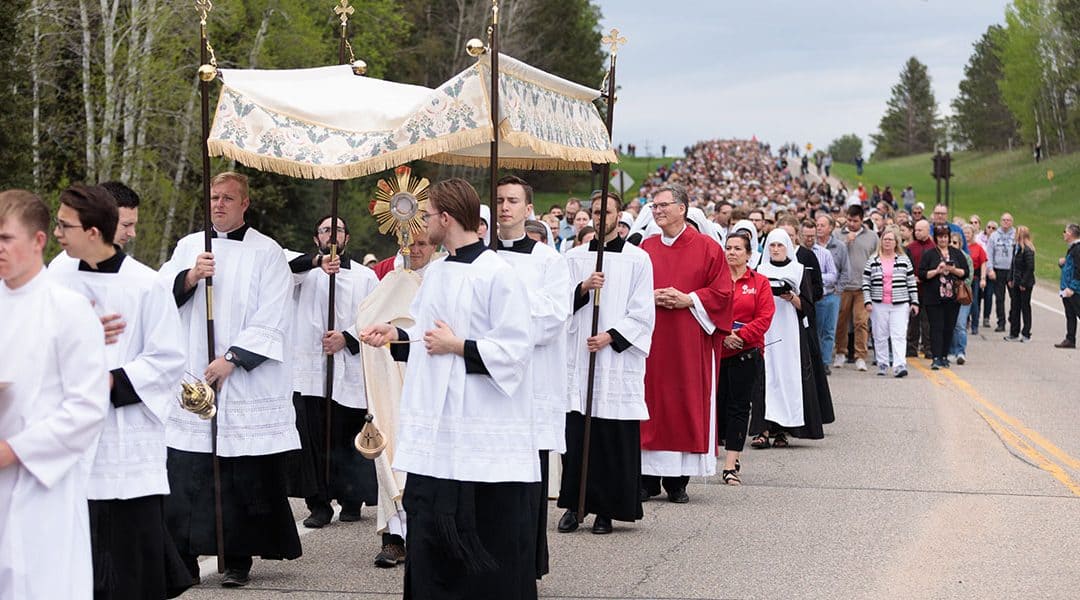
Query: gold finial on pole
column 207, row 70
column 344, row 11
column 614, row 40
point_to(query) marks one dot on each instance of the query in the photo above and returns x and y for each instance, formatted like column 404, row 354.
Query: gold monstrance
column 397, row 207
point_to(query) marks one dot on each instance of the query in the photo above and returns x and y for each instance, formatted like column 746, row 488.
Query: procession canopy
column 329, row 123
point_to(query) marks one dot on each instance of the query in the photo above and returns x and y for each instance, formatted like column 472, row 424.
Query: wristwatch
column 231, row 357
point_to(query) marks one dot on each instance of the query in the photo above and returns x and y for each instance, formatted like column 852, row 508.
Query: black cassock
column 613, row 486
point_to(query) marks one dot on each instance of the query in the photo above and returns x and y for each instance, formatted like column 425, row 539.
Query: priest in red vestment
column 693, row 295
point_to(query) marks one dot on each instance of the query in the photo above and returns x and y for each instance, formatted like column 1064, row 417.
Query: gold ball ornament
column 207, row 73
column 475, row 47
column 359, row 67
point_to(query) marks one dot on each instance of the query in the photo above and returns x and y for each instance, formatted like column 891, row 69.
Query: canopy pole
column 343, row 11
column 493, row 226
column 614, row 41
column 207, row 73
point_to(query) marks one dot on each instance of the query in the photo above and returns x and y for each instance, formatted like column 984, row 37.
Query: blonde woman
column 890, row 294
column 1021, row 280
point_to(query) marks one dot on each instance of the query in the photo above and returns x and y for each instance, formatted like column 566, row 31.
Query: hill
column 989, row 184
column 637, row 168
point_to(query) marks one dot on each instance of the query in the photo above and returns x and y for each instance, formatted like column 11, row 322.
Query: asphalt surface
column 953, row 484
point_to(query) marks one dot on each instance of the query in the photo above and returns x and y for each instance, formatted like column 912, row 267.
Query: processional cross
column 344, row 11
column 614, row 40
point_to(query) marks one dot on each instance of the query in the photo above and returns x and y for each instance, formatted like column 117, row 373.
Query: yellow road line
column 1039, row 440
column 1005, row 434
column 1034, row 455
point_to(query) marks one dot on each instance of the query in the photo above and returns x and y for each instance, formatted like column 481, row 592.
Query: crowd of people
column 480, row 352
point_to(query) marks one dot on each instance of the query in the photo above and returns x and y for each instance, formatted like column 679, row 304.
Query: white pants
column 889, row 323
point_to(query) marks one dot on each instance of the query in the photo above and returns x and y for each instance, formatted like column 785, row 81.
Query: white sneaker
column 882, row 370
column 860, row 365
column 838, row 363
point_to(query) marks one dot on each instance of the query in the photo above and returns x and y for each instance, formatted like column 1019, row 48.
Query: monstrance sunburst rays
column 398, row 204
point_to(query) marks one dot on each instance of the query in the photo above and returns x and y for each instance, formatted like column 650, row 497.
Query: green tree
column 910, row 124
column 846, row 148
column 982, row 121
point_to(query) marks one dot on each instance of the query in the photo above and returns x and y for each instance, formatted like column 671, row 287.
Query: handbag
column 963, row 293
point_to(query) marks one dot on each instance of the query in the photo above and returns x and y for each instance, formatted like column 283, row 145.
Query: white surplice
column 547, row 277
column 252, row 301
column 783, row 359
column 352, row 285
column 470, row 427
column 626, row 305
column 52, row 407
column 130, row 459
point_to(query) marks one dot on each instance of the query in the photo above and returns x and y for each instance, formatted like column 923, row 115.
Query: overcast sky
column 784, row 70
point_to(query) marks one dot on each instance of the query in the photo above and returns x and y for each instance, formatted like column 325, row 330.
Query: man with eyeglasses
column 128, row 480
column 693, row 296
column 256, row 421
column 352, row 477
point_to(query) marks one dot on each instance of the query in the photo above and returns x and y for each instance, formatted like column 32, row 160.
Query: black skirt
column 613, row 488
column 352, row 477
column 134, row 555
column 816, row 396
column 470, row 540
column 258, row 520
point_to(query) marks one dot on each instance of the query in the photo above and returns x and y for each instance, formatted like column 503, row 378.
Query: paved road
column 951, row 484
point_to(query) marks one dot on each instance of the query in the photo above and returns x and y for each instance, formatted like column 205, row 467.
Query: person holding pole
column 352, row 477
column 627, row 316
column 256, row 423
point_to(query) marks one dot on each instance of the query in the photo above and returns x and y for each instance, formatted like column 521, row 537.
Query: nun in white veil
column 747, row 226
column 790, row 399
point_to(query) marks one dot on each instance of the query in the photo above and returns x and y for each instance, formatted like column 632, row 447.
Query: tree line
column 98, row 90
column 1021, row 86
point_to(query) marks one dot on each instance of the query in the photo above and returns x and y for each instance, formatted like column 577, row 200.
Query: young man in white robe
column 352, row 477
column 128, row 481
column 252, row 373
column 466, row 432
column 627, row 315
column 54, row 395
column 547, row 277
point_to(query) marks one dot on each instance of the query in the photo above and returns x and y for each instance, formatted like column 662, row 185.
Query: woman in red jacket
column 741, row 364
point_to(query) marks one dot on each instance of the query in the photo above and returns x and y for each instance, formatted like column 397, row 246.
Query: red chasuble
column 679, row 370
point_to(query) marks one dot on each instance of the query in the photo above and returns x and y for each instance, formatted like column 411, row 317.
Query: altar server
column 54, row 395
column 134, row 556
column 547, row 277
column 256, row 421
column 466, row 432
column 352, row 477
column 693, row 291
column 625, row 332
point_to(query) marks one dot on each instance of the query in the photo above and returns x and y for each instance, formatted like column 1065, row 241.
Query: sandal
column 760, row 441
column 780, row 441
column 738, row 466
column 731, row 477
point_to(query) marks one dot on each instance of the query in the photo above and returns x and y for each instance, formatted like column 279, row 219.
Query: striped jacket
column 903, row 281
